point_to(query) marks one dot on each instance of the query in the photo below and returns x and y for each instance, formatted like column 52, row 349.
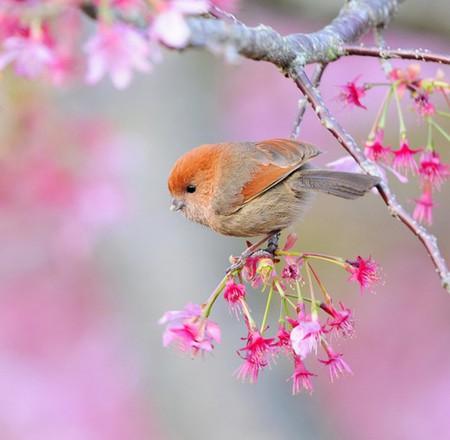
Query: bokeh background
column 91, row 257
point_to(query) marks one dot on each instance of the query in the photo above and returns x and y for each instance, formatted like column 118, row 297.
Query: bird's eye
column 191, row 188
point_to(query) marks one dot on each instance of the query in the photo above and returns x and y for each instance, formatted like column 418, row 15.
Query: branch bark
column 262, row 43
column 388, row 53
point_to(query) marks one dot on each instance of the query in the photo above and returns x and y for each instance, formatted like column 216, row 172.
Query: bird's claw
column 254, row 251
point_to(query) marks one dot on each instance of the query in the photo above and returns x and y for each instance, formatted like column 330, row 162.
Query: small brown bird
column 246, row 189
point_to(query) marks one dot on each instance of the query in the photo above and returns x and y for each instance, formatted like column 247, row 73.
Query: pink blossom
column 257, row 354
column 193, row 333
column 301, row 377
column 432, row 170
column 170, row 26
column 284, row 339
column 365, row 271
column 266, row 270
column 404, row 160
column 259, row 271
column 116, row 50
column 290, row 241
column 306, row 334
column 341, row 321
column 291, row 272
column 30, row 54
column 423, row 212
column 249, row 271
column 233, row 294
column 351, row 94
column 375, row 150
column 337, row 366
column 423, row 105
column 405, row 79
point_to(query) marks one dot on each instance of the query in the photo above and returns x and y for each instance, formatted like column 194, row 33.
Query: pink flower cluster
column 424, row 162
column 193, row 333
column 47, row 45
column 62, row 347
column 300, row 333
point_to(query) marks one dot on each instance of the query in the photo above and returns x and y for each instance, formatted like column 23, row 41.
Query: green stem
column 440, row 130
column 299, row 292
column 430, row 144
column 311, row 291
column 385, row 107
column 324, row 257
column 266, row 312
column 401, row 122
column 283, row 294
column 322, row 287
column 207, row 306
column 442, row 113
column 246, row 311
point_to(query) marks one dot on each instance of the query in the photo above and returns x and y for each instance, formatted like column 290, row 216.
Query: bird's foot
column 254, row 251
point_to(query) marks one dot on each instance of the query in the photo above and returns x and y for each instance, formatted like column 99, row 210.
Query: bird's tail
column 336, row 183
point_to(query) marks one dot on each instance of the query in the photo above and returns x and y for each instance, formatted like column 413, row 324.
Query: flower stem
column 266, row 312
column 380, row 120
column 311, row 291
column 299, row 292
column 322, row 287
column 401, row 122
column 212, row 298
column 430, row 143
column 440, row 130
column 442, row 113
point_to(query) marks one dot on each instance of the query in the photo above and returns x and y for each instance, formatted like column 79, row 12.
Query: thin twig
column 329, row 121
column 302, row 102
column 388, row 53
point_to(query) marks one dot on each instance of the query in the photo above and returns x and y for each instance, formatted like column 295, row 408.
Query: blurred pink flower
column 301, row 377
column 258, row 353
column 404, row 158
column 115, row 50
column 65, row 371
column 226, row 5
column 405, row 78
column 335, row 363
column 193, row 333
column 30, row 54
column 341, row 321
column 365, row 271
column 291, row 272
column 169, row 26
column 233, row 293
column 284, row 339
column 306, row 333
column 432, row 170
column 351, row 94
column 423, row 105
column 290, row 241
column 423, row 211
column 375, row 150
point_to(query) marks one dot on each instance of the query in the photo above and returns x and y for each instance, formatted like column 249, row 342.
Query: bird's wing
column 276, row 159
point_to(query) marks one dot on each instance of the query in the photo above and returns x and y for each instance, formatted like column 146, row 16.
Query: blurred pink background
column 91, row 258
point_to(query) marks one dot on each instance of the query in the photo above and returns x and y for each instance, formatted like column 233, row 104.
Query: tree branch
column 387, row 53
column 316, row 78
column 262, row 43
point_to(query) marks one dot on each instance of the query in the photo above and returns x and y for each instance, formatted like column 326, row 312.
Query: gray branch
column 263, row 43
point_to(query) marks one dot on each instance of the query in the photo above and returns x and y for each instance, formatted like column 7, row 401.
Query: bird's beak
column 176, row 204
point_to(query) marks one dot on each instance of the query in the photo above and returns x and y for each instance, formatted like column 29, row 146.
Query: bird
column 249, row 189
